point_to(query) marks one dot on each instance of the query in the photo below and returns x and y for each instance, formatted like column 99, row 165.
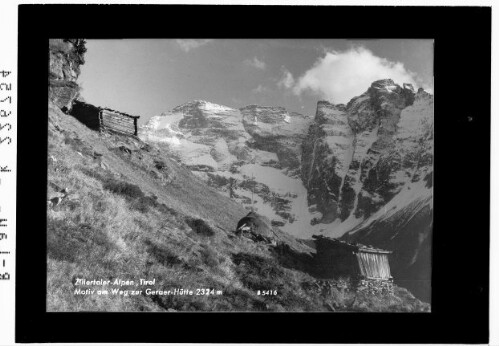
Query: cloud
column 188, row 44
column 260, row 89
column 256, row 63
column 340, row 76
column 286, row 80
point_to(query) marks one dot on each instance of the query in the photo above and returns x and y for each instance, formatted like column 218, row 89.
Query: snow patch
column 412, row 192
column 213, row 107
column 303, row 214
column 194, row 154
column 273, row 178
column 151, row 137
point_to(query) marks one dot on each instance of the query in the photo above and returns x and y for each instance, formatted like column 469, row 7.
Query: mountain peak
column 202, row 105
column 385, row 85
column 329, row 104
column 389, row 85
column 263, row 108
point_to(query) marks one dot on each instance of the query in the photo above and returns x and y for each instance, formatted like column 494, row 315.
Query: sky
column 147, row 77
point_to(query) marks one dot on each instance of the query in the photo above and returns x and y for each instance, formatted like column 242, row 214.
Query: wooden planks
column 338, row 258
column 120, row 113
column 118, row 121
column 98, row 118
column 374, row 265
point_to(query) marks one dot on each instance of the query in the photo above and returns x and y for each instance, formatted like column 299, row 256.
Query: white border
column 8, row 59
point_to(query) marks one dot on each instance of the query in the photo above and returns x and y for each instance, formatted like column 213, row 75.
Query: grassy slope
column 131, row 213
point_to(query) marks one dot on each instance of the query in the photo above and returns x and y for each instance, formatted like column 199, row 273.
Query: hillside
column 131, row 212
column 123, row 209
column 342, row 173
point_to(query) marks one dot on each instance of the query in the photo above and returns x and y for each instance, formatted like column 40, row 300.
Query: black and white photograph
column 240, row 175
column 247, row 173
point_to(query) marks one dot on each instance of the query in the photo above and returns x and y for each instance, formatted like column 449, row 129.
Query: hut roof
column 259, row 224
column 118, row 112
column 356, row 247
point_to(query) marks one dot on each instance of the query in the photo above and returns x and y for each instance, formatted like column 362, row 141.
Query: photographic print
column 240, row 175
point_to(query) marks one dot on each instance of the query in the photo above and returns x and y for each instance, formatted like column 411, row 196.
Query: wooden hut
column 337, row 258
column 99, row 118
column 256, row 227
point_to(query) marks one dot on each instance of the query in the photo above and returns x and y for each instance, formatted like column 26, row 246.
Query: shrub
column 123, row 188
column 132, row 192
column 200, row 227
column 277, row 223
column 165, row 209
column 217, row 180
column 67, row 242
column 159, row 164
column 257, row 272
column 210, row 257
column 162, row 254
column 144, row 204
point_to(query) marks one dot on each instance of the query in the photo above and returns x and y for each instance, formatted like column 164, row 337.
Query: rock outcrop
column 252, row 154
column 368, row 169
column 357, row 157
column 309, row 175
column 206, row 136
column 66, row 56
column 273, row 129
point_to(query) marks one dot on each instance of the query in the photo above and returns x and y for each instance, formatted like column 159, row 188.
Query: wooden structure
column 99, row 118
column 118, row 121
column 256, row 227
column 337, row 258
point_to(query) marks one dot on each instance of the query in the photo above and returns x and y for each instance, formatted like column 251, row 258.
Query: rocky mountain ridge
column 359, row 156
column 325, row 174
column 361, row 171
column 66, row 56
column 369, row 165
column 251, row 154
